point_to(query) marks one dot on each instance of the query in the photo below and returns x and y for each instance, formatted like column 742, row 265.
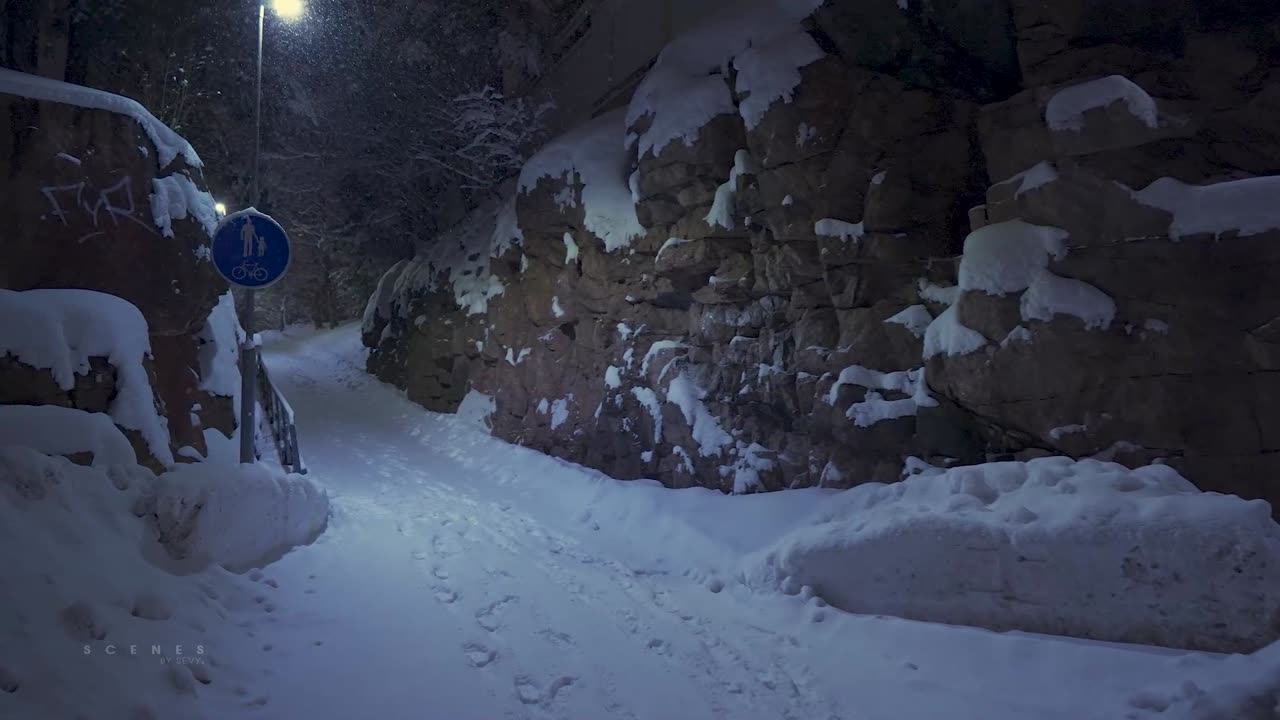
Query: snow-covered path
column 463, row 578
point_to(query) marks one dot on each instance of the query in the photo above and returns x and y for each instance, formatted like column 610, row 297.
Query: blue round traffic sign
column 250, row 249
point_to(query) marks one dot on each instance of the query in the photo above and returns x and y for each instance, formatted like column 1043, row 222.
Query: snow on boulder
column 476, row 410
column 916, row 319
column 68, row 432
column 59, row 330
column 169, row 145
column 874, row 407
column 219, row 355
column 1079, row 548
column 235, row 516
column 456, row 261
column 1014, row 256
column 1003, row 258
column 1067, row 107
column 685, row 394
column 830, row 227
column 946, row 335
column 593, row 155
column 770, row 71
column 176, row 197
column 378, row 309
column 220, row 351
column 1247, row 206
column 687, row 86
column 725, row 205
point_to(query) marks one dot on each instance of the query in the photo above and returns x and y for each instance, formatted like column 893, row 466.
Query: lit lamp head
column 288, row 10
column 220, row 208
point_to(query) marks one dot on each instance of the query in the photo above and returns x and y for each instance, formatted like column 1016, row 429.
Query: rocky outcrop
column 772, row 286
column 101, row 196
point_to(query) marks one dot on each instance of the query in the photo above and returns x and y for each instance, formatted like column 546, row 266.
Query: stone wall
column 766, row 324
column 81, row 211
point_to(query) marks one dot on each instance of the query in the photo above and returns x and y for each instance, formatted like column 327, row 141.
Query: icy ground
column 464, row 578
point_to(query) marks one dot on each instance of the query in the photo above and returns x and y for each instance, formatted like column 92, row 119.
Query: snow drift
column 238, row 517
column 1085, row 549
column 1233, row 688
column 93, row 627
column 67, row 432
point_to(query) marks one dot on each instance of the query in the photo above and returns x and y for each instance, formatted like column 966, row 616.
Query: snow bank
column 91, row 627
column 176, row 197
column 1240, row 687
column 595, row 155
column 59, row 330
column 1014, row 256
column 169, row 144
column 235, row 516
column 684, row 91
column 1086, row 549
column 1067, row 107
column 1247, row 206
column 63, row 431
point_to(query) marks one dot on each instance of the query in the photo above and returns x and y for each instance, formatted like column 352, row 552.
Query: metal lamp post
column 287, row 10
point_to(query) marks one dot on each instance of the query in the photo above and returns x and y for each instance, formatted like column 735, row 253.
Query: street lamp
column 289, row 11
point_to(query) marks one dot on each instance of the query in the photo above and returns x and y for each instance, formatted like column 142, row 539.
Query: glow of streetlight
column 288, row 10
column 220, row 208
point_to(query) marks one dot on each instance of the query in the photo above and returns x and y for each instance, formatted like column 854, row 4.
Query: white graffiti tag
column 112, row 204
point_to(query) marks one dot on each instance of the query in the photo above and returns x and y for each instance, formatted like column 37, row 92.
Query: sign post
column 251, row 251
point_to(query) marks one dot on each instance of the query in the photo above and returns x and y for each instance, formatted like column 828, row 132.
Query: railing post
column 284, row 431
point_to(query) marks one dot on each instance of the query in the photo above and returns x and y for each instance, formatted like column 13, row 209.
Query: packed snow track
column 464, row 578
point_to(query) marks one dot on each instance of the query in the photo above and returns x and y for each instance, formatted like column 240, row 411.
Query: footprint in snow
column 558, row 638
column 486, row 617
column 660, row 646
column 445, row 595
column 478, row 655
column 527, row 692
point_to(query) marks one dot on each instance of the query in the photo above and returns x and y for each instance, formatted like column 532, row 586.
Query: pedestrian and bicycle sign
column 250, row 249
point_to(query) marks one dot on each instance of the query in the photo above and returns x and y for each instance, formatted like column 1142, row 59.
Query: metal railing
column 279, row 415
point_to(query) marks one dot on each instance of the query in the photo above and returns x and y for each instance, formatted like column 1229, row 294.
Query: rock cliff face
column 828, row 238
column 100, row 196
